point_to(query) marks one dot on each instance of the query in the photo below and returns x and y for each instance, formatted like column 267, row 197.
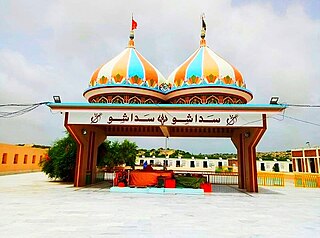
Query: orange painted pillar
column 238, row 141
column 294, row 165
column 246, row 140
column 88, row 139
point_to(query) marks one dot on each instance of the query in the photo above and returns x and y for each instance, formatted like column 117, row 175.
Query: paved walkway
column 33, row 206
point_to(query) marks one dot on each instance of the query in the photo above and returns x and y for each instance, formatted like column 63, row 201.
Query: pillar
column 246, row 140
column 294, row 165
column 88, row 139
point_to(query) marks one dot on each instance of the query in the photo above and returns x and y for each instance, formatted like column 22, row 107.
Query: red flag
column 134, row 24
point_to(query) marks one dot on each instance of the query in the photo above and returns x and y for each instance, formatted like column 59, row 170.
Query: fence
column 109, row 176
column 306, row 180
column 99, row 176
column 270, row 179
column 223, row 178
column 214, row 178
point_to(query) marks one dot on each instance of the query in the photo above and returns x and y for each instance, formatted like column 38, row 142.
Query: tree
column 60, row 161
column 116, row 153
column 128, row 151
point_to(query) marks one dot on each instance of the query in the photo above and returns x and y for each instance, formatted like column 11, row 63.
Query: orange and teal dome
column 128, row 68
column 205, row 78
column 128, row 75
column 204, row 67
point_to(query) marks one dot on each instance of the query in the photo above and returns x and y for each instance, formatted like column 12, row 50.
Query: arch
column 239, row 101
column 181, row 101
column 149, row 101
column 227, row 100
column 117, row 100
column 134, row 100
column 195, row 100
column 212, row 100
column 103, row 100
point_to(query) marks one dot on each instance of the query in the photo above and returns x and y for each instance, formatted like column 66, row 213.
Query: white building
column 209, row 165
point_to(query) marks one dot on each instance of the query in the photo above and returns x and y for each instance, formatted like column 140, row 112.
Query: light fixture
column 57, row 99
column 84, row 131
column 274, row 100
column 247, row 134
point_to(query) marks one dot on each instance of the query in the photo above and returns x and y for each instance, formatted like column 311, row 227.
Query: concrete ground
column 33, row 206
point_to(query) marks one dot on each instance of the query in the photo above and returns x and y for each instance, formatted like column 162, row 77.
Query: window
column 290, row 168
column 40, row 159
column 4, row 158
column 152, row 162
column 141, row 162
column 262, row 168
column 220, row 164
column 205, row 164
column 15, row 160
column 276, row 168
column 192, row 164
column 178, row 163
column 33, row 159
column 25, row 159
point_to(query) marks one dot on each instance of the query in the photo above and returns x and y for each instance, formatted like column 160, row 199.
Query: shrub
column 60, row 161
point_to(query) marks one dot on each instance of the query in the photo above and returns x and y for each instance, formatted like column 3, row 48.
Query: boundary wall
column 16, row 158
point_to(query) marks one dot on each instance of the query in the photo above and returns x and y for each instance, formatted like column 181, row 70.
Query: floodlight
column 274, row 100
column 57, row 99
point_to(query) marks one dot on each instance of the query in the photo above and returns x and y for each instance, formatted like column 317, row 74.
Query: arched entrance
column 90, row 124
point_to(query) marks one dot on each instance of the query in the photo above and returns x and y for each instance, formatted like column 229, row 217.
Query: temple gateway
column 204, row 97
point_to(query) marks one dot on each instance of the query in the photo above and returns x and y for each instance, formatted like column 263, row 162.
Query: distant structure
column 20, row 158
column 210, row 165
column 306, row 160
column 204, row 97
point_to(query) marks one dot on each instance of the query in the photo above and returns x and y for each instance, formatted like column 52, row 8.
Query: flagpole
column 131, row 30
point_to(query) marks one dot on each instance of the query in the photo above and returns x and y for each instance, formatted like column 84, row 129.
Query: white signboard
column 166, row 118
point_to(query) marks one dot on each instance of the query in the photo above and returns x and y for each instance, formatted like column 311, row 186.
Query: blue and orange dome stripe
column 129, row 67
column 205, row 67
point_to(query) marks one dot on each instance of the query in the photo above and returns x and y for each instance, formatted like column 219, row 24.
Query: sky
column 52, row 47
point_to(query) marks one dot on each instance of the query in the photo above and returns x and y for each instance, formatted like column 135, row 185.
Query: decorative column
column 238, row 141
column 88, row 139
column 246, row 140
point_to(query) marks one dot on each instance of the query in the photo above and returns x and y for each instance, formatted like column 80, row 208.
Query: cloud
column 277, row 53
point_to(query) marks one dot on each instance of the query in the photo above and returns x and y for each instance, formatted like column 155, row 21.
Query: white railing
column 109, row 176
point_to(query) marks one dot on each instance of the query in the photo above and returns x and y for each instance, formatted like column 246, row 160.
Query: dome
column 207, row 78
column 127, row 78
